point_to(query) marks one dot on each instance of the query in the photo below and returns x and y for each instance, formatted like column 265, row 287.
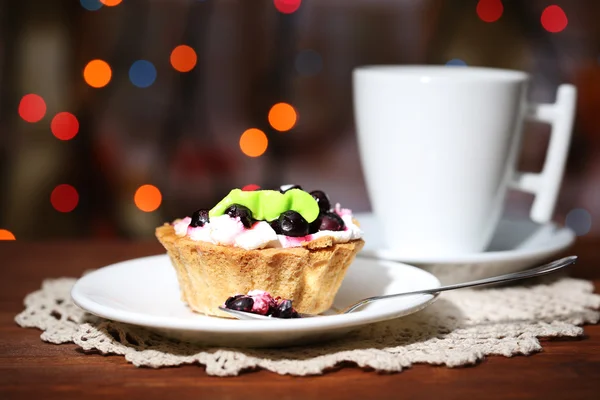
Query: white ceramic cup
column 439, row 145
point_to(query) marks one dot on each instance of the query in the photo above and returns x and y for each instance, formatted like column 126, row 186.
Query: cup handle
column 545, row 185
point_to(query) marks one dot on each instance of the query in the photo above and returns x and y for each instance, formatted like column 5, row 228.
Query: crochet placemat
column 460, row 328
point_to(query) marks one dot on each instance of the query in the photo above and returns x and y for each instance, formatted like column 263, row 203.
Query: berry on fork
column 232, row 299
column 285, row 310
column 240, row 303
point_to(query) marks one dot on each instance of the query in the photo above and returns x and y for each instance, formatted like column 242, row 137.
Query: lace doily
column 461, row 328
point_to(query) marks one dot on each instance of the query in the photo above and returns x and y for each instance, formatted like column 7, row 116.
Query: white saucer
column 516, row 245
column 145, row 292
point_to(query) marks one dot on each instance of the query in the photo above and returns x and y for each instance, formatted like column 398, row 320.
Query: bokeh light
column 6, row 235
column 111, row 3
column 282, row 117
column 32, row 108
column 554, row 19
column 253, row 142
column 489, row 10
column 287, row 6
column 456, row 62
column 142, row 73
column 64, row 126
column 579, row 220
column 97, row 73
column 308, row 62
column 251, row 187
column 64, row 198
column 183, row 58
column 91, row 5
column 147, row 198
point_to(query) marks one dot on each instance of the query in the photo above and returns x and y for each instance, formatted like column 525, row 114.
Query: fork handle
column 514, row 276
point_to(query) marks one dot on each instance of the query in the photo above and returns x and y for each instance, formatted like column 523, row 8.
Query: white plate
column 516, row 245
column 145, row 292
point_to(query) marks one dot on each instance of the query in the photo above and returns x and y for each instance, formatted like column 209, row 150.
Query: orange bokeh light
column 253, row 142
column 282, row 117
column 147, row 198
column 111, row 3
column 97, row 73
column 64, row 198
column 6, row 235
column 183, row 58
column 64, row 126
column 32, row 108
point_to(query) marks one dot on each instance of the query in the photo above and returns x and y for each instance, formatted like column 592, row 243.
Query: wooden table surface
column 30, row 368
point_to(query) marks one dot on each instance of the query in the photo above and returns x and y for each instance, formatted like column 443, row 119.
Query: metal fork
column 530, row 273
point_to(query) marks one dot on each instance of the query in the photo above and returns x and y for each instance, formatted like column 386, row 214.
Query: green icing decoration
column 269, row 204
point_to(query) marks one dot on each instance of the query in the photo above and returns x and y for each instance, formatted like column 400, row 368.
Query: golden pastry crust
column 208, row 274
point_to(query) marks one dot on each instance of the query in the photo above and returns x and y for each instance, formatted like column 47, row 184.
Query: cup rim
column 429, row 73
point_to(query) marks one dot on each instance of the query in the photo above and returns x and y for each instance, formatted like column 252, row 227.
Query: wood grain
column 29, row 368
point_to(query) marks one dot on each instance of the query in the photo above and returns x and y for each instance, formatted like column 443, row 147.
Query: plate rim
column 566, row 237
column 224, row 325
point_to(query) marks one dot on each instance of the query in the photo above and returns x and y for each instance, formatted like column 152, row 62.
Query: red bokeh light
column 287, row 6
column 64, row 126
column 64, row 198
column 554, row 19
column 490, row 10
column 251, row 187
column 32, row 108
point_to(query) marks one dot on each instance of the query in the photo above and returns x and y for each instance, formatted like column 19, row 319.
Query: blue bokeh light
column 142, row 73
column 91, row 5
column 456, row 62
column 579, row 220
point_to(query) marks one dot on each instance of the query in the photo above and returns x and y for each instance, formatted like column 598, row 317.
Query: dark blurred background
column 76, row 147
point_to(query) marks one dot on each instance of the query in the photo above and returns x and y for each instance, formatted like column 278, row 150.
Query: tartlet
column 269, row 241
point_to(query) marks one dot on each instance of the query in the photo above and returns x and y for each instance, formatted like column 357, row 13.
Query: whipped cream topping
column 226, row 231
